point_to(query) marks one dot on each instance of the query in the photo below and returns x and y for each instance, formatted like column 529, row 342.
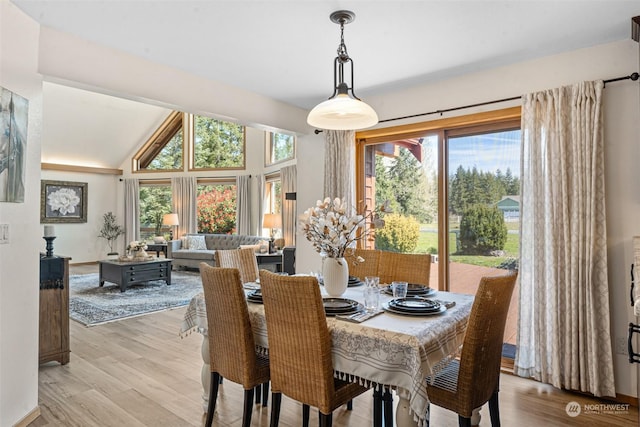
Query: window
column 217, row 144
column 164, row 150
column 273, row 195
column 279, row 147
column 155, row 201
column 216, row 206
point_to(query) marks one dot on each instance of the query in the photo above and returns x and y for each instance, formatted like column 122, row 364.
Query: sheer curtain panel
column 243, row 205
column 563, row 326
column 184, row 194
column 131, row 210
column 339, row 161
column 262, row 185
column 289, row 178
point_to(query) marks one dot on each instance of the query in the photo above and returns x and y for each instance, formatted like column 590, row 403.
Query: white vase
column 335, row 275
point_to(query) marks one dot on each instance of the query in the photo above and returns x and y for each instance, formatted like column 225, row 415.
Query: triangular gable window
column 164, row 150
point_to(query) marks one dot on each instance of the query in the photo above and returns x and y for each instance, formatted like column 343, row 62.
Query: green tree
column 218, row 144
column 384, row 190
column 408, row 185
column 170, row 157
column 482, row 230
column 282, row 146
column 155, row 201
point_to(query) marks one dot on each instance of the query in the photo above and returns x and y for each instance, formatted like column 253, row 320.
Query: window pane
column 282, row 147
column 216, row 206
column 217, row 144
column 405, row 174
column 155, row 201
column 170, row 157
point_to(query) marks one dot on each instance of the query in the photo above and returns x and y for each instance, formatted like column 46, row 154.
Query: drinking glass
column 399, row 289
column 371, row 293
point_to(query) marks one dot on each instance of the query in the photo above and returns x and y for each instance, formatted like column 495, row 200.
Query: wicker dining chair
column 300, row 348
column 410, row 268
column 369, row 267
column 466, row 384
column 232, row 350
column 242, row 259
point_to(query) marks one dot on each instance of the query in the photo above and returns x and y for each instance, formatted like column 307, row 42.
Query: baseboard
column 623, row 398
column 29, row 418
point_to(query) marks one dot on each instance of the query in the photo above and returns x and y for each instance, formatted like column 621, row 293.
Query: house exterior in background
column 510, row 207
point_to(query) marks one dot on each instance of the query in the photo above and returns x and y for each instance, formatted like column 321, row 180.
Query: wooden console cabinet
column 54, row 309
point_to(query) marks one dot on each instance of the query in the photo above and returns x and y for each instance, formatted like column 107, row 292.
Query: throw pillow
column 185, row 243
column 196, row 243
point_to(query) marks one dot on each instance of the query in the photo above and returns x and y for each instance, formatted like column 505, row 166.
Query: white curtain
column 289, row 179
column 184, row 192
column 131, row 210
column 243, row 203
column 262, row 185
column 339, row 161
column 563, row 324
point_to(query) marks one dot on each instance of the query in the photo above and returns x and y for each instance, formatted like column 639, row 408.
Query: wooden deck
column 465, row 279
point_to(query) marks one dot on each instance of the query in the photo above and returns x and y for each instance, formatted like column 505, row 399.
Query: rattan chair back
column 474, row 380
column 242, row 259
column 481, row 355
column 369, row 267
column 299, row 340
column 232, row 347
column 410, row 268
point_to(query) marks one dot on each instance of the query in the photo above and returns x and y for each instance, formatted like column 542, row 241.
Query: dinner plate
column 334, row 306
column 413, row 290
column 393, row 310
column 251, row 285
column 255, row 296
column 415, row 304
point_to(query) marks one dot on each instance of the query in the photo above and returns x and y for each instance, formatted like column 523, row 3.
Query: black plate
column 394, row 310
column 255, row 296
column 415, row 304
column 333, row 306
column 413, row 291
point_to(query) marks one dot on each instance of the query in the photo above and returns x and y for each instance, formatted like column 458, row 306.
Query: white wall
column 19, row 260
column 622, row 155
column 80, row 240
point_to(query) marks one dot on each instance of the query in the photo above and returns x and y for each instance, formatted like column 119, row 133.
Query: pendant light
column 343, row 110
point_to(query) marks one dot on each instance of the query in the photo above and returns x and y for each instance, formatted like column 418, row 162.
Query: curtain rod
column 632, row 76
column 198, row 177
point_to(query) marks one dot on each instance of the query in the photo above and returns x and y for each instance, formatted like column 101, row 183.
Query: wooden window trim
column 157, row 142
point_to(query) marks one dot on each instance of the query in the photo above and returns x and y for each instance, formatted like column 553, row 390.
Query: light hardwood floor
column 139, row 372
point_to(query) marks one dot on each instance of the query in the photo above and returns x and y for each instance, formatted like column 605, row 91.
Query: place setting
column 341, row 306
column 413, row 290
column 412, row 305
column 255, row 296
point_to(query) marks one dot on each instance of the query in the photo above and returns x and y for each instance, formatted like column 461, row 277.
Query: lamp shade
column 272, row 220
column 170, row 219
column 342, row 113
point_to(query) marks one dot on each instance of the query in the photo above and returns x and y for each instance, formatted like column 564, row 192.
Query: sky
column 488, row 153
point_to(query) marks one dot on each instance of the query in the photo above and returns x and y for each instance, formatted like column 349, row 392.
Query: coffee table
column 125, row 273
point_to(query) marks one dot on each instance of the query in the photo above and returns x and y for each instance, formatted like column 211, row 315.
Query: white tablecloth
column 390, row 349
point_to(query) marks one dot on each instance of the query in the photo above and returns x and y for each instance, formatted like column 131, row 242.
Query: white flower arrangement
column 63, row 200
column 136, row 246
column 332, row 232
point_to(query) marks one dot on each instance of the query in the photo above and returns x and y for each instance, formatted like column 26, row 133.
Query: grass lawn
column 428, row 243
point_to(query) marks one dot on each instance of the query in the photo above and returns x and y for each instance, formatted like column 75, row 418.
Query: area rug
column 92, row 305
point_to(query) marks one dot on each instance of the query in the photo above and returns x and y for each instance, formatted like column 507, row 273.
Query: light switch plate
column 4, row 233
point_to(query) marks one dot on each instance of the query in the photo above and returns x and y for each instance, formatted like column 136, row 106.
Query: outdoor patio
column 465, row 279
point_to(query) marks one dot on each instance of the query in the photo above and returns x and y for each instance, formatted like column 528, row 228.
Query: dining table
column 397, row 351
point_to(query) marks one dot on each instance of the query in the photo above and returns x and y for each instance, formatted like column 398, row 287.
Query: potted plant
column 110, row 231
column 157, row 220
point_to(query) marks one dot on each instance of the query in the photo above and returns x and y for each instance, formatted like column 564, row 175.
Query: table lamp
column 272, row 221
column 172, row 221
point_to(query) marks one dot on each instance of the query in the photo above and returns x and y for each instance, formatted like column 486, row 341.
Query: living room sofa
column 191, row 257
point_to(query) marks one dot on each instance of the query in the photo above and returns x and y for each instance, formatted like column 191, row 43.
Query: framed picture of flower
column 63, row 201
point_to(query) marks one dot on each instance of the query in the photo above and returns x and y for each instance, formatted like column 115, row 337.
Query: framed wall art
column 63, row 201
column 14, row 112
